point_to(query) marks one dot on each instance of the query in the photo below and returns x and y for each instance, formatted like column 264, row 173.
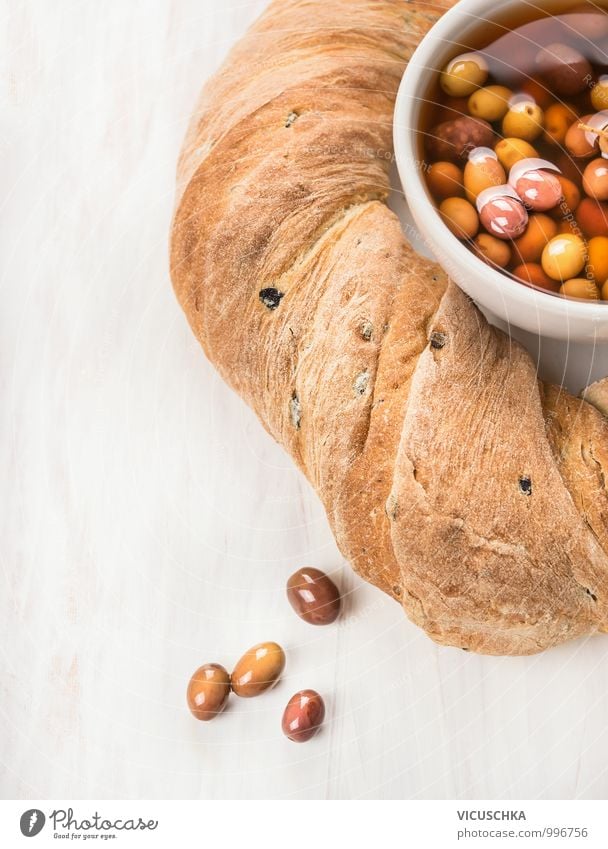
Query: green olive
column 564, row 256
column 524, row 120
column 462, row 75
column 490, row 103
column 510, row 151
column 599, row 94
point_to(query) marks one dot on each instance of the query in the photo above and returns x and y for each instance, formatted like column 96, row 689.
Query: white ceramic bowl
column 518, row 305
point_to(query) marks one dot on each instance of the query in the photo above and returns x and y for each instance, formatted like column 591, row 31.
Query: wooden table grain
column 149, row 523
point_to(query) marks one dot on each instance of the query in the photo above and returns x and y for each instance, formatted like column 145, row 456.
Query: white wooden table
column 149, row 523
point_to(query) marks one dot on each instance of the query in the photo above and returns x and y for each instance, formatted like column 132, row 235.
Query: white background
column 148, row 523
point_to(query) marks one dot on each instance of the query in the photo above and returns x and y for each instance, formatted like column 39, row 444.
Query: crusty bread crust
column 451, row 479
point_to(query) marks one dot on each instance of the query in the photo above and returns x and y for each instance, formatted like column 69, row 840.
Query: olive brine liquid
column 515, row 147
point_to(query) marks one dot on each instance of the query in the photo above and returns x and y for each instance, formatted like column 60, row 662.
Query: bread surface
column 453, row 479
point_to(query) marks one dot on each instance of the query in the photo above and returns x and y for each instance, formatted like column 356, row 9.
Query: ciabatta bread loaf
column 452, row 479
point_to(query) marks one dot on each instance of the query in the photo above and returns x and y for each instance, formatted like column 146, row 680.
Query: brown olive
column 460, row 217
column 538, row 92
column 577, row 142
column 502, row 213
column 532, row 272
column 258, row 670
column 313, row 596
column 570, row 166
column 571, row 197
column 492, row 250
column 531, row 244
column 445, row 180
column 303, row 716
column 598, row 259
column 208, row 691
column 559, row 117
column 452, row 140
column 565, row 70
column 595, row 179
column 453, row 109
column 592, row 217
column 536, row 184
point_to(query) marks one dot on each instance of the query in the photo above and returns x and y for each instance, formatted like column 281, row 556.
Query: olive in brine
column 208, row 691
column 565, row 70
column 303, row 716
column 258, row 670
column 313, row 596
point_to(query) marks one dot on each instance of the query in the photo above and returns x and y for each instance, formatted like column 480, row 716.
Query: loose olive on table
column 316, row 599
column 303, row 716
column 258, row 670
column 208, row 691
column 516, row 151
column 313, row 596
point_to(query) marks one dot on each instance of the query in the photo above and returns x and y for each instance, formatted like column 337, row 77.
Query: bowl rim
column 420, row 68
